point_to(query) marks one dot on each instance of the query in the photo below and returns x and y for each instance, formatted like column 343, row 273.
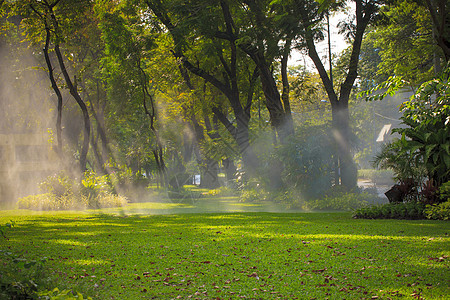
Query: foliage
column 63, row 194
column 290, row 198
column 444, row 191
column 308, row 161
column 5, row 228
column 427, row 116
column 95, row 189
column 21, row 278
column 391, row 157
column 56, row 294
column 183, row 194
column 423, row 151
column 439, row 211
column 403, row 39
column 59, row 185
column 408, row 210
column 229, row 255
column 342, row 201
column 222, row 191
column 49, row 201
column 256, row 194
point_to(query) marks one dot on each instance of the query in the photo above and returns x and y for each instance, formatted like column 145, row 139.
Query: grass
column 124, row 255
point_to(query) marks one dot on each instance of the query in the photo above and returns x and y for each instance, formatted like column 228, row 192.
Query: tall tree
column 127, row 45
column 47, row 15
column 260, row 38
column 193, row 20
column 404, row 41
column 311, row 13
column 440, row 15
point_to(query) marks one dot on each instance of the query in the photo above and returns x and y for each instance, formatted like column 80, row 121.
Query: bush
column 344, row 201
column 438, row 211
column 49, row 201
column 21, row 278
column 107, row 200
column 422, row 152
column 308, row 161
column 58, row 185
column 222, row 191
column 183, row 194
column 254, row 195
column 64, row 294
column 291, row 199
column 444, row 191
column 409, row 210
column 93, row 186
column 64, row 194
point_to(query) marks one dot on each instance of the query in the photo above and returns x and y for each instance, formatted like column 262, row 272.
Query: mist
column 26, row 120
column 27, row 141
column 126, row 160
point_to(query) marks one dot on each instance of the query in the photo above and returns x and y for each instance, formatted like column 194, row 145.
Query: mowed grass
column 235, row 255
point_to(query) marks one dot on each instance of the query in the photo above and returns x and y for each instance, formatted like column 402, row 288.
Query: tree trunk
column 73, row 91
column 56, row 90
column 285, row 81
column 230, row 169
column 229, row 87
column 87, row 123
column 280, row 119
column 341, row 132
column 240, row 134
column 439, row 12
column 100, row 163
column 339, row 105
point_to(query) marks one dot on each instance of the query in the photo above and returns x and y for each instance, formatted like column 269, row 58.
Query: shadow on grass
column 296, row 255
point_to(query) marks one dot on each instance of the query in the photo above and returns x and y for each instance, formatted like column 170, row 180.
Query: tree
column 311, row 13
column 45, row 15
column 260, row 38
column 404, row 39
column 182, row 21
column 128, row 45
column 440, row 11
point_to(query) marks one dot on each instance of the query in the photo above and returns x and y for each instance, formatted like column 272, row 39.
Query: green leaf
column 446, row 159
column 428, row 150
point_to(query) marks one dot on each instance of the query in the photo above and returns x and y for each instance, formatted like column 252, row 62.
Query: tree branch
column 224, row 120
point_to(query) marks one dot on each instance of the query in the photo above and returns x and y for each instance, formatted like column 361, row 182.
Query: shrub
column 49, row 201
column 409, row 210
column 222, row 191
column 291, row 199
column 254, row 195
column 183, row 194
column 58, row 185
column 63, row 194
column 344, row 201
column 438, row 211
column 308, row 161
column 93, row 186
column 21, row 278
column 64, row 294
column 444, row 191
column 105, row 200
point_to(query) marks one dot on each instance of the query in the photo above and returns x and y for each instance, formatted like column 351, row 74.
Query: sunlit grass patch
column 248, row 255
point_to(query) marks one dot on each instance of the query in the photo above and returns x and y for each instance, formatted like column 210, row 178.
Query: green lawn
column 126, row 255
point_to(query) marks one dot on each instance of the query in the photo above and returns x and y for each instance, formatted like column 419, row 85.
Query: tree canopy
column 168, row 89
